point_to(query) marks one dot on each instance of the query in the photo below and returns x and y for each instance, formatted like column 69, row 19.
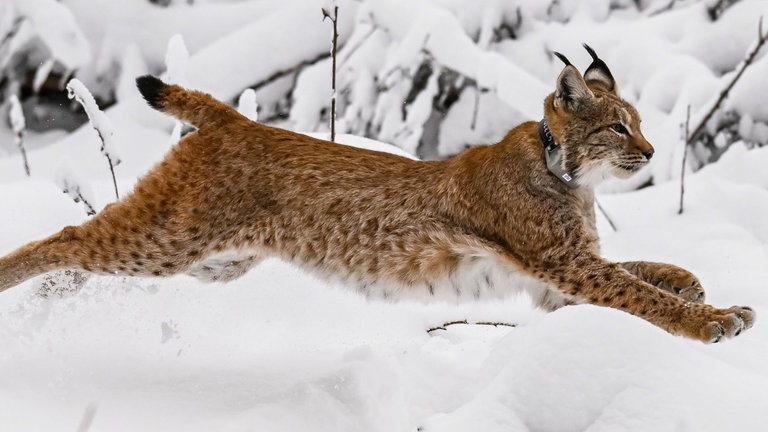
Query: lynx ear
column 598, row 72
column 571, row 90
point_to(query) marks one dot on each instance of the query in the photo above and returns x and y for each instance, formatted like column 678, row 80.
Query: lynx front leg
column 668, row 277
column 594, row 280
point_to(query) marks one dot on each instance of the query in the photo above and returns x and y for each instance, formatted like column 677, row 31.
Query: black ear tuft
column 591, row 52
column 598, row 71
column 562, row 58
column 152, row 89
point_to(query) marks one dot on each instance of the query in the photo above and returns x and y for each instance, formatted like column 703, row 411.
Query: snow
column 278, row 350
column 247, row 106
column 176, row 58
column 57, row 28
column 16, row 117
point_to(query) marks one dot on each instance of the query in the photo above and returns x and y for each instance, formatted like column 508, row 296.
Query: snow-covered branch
column 100, row 123
column 19, row 126
column 762, row 38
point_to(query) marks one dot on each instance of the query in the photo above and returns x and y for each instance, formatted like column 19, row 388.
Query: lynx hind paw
column 730, row 323
column 684, row 285
column 692, row 293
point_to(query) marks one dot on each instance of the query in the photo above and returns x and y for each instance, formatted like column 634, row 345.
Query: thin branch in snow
column 19, row 126
column 349, row 51
column 661, row 10
column 685, row 156
column 475, row 109
column 718, row 9
column 291, row 70
column 605, row 215
column 73, row 189
column 100, row 122
column 761, row 39
column 465, row 322
column 334, row 20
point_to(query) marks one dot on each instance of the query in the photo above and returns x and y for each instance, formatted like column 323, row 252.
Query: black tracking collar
column 553, row 155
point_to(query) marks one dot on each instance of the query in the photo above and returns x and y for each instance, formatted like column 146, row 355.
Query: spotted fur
column 485, row 223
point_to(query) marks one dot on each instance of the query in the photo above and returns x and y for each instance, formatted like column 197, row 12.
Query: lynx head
column 598, row 131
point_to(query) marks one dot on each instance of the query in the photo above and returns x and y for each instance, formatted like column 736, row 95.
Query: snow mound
column 591, row 369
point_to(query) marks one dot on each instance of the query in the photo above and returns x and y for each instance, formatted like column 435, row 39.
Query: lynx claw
column 747, row 316
column 715, row 331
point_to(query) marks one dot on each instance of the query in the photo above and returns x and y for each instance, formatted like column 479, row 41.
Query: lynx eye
column 619, row 129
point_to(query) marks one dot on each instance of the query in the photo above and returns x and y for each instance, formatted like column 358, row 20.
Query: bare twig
column 685, row 157
column 465, row 322
column 761, row 39
column 349, row 51
column 74, row 192
column 605, row 215
column 718, row 9
column 668, row 7
column 334, row 20
column 110, row 162
column 495, row 324
column 473, row 124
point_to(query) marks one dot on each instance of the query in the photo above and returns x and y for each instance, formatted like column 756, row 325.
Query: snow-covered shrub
column 38, row 36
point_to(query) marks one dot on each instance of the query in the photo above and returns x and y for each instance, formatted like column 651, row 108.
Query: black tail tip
column 151, row 88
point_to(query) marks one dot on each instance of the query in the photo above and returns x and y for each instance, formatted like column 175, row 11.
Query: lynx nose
column 648, row 154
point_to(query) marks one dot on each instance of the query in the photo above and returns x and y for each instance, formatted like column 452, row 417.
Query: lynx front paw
column 727, row 323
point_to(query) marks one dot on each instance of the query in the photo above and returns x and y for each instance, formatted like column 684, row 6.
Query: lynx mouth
column 627, row 169
column 632, row 167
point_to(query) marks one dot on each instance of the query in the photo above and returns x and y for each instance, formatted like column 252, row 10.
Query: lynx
column 514, row 216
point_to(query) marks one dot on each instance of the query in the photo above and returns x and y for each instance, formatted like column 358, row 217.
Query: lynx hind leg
column 668, row 277
column 223, row 267
column 36, row 258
